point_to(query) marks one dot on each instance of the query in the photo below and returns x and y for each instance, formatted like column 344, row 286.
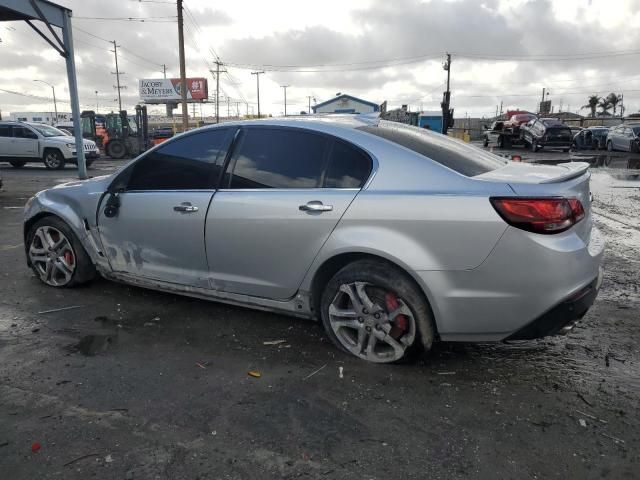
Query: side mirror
column 113, row 205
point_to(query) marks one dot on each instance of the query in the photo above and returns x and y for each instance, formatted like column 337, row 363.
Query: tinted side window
column 348, row 167
column 5, row 131
column 22, row 132
column 193, row 162
column 451, row 153
column 278, row 158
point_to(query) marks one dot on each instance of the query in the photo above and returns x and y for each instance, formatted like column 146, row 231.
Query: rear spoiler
column 575, row 170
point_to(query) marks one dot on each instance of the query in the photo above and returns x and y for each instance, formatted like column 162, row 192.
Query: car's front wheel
column 56, row 255
column 53, row 159
column 375, row 312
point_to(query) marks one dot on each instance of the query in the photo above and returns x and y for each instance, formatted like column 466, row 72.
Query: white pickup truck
column 22, row 142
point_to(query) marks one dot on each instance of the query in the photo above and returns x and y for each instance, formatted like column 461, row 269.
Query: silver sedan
column 393, row 236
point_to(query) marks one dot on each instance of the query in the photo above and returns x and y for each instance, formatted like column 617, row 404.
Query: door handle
column 185, row 207
column 315, row 206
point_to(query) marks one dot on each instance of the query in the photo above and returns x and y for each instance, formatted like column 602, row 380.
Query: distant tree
column 604, row 105
column 614, row 99
column 592, row 104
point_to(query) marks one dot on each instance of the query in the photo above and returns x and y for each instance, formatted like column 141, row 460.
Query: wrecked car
column 392, row 236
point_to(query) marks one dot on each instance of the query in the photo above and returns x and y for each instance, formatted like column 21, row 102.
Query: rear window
column 451, row 153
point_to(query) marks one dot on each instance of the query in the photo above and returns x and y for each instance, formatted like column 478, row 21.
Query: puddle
column 91, row 345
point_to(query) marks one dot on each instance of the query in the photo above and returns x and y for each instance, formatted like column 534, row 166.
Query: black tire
column 116, row 149
column 383, row 276
column 84, row 270
column 88, row 163
column 565, row 150
column 18, row 163
column 534, row 145
column 485, row 144
column 609, row 146
column 500, row 142
column 53, row 159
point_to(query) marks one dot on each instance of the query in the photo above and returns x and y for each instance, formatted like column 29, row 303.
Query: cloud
column 366, row 31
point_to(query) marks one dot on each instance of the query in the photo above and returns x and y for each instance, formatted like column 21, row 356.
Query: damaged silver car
column 393, row 236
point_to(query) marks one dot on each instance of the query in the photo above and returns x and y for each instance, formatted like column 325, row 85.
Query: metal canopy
column 52, row 15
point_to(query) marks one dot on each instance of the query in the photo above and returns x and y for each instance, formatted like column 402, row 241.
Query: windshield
column 47, row 131
column 452, row 153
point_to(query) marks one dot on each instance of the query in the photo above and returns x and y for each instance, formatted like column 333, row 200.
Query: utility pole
column 228, row 103
column 55, row 105
column 96, row 101
column 309, row 109
column 117, row 73
column 447, row 113
column 237, row 110
column 183, row 68
column 164, row 70
column 218, row 72
column 284, row 87
column 257, row 74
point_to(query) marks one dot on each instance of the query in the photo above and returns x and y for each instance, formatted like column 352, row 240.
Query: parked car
column 520, row 119
column 393, row 236
column 493, row 133
column 547, row 132
column 22, row 142
column 591, row 138
column 625, row 137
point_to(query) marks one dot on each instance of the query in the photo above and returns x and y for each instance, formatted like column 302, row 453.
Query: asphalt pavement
column 127, row 383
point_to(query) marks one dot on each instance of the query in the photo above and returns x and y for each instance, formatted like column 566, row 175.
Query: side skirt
column 298, row 306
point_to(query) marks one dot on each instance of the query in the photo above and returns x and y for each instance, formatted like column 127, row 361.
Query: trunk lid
column 569, row 180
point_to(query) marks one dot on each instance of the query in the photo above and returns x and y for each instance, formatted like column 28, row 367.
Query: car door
column 158, row 229
column 283, row 193
column 627, row 139
column 618, row 138
column 5, row 140
column 24, row 142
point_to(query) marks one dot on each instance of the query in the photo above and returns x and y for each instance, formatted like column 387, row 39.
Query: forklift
column 118, row 134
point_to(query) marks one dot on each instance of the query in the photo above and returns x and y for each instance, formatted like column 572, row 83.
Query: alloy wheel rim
column 372, row 323
column 52, row 256
column 51, row 160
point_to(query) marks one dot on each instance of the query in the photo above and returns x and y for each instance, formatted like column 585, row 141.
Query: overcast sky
column 503, row 50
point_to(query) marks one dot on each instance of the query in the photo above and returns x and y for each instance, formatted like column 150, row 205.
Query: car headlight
column 70, row 145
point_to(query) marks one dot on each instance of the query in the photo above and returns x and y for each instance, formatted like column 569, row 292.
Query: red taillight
column 539, row 215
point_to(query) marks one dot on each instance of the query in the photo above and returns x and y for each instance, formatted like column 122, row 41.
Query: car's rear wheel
column 53, row 159
column 375, row 312
column 18, row 163
column 56, row 255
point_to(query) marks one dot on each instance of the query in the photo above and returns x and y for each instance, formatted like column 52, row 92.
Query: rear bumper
column 564, row 316
column 523, row 279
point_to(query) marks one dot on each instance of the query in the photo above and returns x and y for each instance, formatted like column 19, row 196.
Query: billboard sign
column 167, row 90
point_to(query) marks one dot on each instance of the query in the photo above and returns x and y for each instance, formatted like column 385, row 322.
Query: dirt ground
column 135, row 384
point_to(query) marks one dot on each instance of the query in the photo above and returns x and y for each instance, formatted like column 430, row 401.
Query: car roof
column 347, row 121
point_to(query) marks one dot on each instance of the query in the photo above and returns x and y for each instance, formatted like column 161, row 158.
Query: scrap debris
column 274, row 342
column 60, row 309
column 313, row 373
column 254, row 374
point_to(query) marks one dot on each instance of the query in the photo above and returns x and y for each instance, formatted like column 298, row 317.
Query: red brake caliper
column 68, row 257
column 400, row 323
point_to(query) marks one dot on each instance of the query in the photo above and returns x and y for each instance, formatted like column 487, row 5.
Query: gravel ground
column 137, row 384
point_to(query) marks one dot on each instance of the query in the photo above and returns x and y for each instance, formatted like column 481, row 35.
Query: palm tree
column 592, row 104
column 614, row 100
column 604, row 105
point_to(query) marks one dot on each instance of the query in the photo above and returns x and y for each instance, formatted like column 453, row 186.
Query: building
column 41, row 117
column 343, row 103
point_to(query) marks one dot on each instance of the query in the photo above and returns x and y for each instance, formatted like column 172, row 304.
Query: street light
column 55, row 106
column 96, row 101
